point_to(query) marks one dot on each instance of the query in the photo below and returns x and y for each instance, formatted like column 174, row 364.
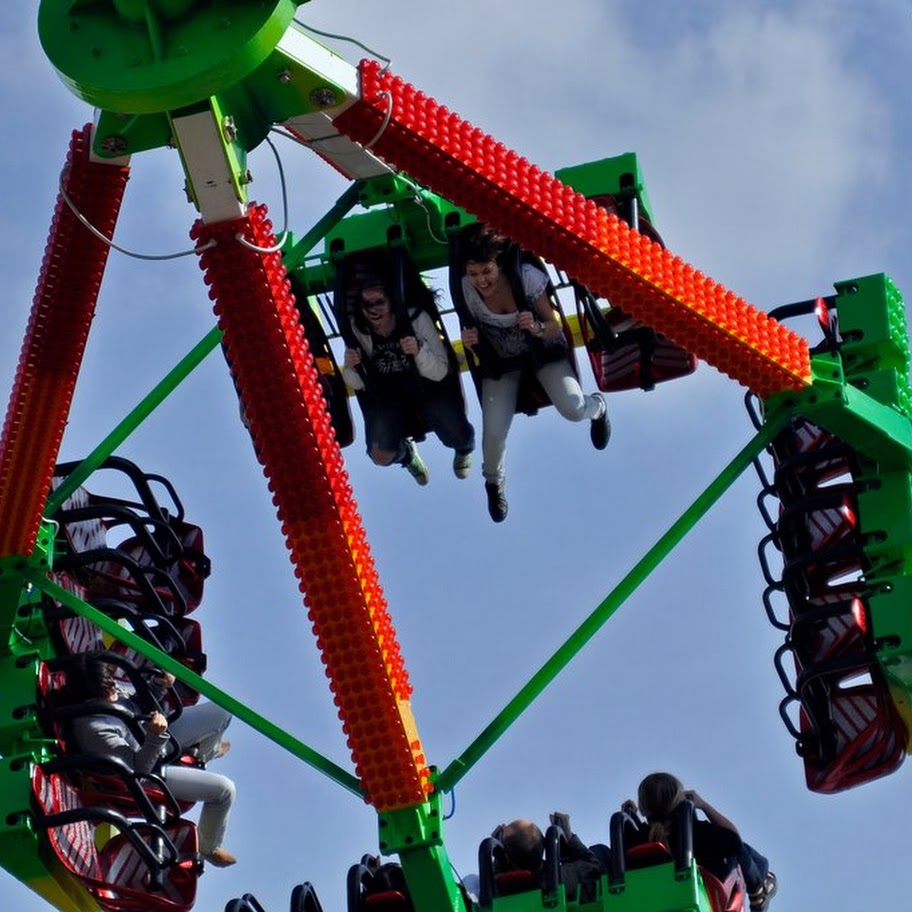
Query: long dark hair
column 482, row 244
column 90, row 678
column 416, row 294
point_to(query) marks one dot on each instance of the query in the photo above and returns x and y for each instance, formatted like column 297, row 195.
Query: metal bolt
column 323, row 97
column 284, row 76
column 114, row 145
column 229, row 128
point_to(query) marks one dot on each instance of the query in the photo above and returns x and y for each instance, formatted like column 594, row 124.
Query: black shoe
column 497, row 500
column 600, row 428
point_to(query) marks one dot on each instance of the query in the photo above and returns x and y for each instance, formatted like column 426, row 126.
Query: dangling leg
column 498, row 404
column 386, row 441
column 201, row 727
column 564, row 391
column 443, row 409
column 217, row 793
column 758, row 878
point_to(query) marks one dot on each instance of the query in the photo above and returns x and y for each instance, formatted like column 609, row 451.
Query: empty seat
column 144, row 868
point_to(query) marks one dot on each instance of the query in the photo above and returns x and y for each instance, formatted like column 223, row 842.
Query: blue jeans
column 386, row 422
column 201, row 726
column 754, row 867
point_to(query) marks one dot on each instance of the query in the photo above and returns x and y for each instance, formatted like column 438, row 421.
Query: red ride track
column 417, row 135
column 283, row 401
column 55, row 340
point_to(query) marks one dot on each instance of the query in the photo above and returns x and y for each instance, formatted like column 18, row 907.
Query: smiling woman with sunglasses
column 401, row 369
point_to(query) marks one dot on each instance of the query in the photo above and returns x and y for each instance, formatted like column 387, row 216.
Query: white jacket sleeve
column 349, row 374
column 431, row 359
column 352, row 378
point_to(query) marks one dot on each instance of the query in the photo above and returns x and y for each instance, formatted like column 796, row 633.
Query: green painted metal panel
column 619, row 176
column 147, row 56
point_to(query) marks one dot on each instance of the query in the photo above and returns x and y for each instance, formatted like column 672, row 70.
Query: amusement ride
column 81, row 570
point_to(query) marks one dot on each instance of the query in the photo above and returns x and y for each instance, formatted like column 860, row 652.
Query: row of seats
column 374, row 886
column 663, row 870
column 624, row 354
column 837, row 705
column 122, row 835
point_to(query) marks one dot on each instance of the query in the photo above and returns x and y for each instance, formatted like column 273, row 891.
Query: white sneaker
column 462, row 464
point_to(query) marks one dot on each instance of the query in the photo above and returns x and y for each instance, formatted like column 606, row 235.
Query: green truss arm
column 136, row 417
column 269, row 729
column 592, row 624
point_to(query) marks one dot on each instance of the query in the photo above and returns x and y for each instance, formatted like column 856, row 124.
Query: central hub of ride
column 137, row 11
column 149, row 56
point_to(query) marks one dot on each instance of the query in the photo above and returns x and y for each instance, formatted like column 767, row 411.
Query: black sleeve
column 579, row 868
column 714, row 846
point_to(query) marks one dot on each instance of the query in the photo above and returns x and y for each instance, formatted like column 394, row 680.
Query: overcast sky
column 773, row 138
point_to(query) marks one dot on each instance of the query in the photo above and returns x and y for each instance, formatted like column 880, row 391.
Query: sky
column 772, row 138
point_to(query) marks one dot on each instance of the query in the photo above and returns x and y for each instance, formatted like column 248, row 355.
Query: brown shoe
column 220, row 858
column 221, row 750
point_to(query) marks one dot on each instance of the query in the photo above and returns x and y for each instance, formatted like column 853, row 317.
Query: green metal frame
column 619, row 176
column 862, row 394
column 414, row 833
column 149, row 63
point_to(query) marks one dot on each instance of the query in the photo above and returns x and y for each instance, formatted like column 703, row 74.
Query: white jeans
column 201, row 726
column 190, row 783
column 498, row 405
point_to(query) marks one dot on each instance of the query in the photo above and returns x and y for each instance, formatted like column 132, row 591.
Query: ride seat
column 398, row 272
column 531, row 395
column 726, row 895
column 869, row 738
column 145, row 868
column 189, row 567
column 625, row 354
column 818, row 522
column 101, row 779
column 378, row 887
column 824, row 632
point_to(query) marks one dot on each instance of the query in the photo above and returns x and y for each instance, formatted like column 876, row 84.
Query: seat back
column 376, row 886
column 728, row 895
column 144, row 868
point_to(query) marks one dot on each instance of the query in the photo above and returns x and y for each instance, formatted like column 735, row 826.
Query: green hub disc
column 147, row 56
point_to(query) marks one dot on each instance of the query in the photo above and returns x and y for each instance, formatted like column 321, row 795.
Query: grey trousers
column 498, row 405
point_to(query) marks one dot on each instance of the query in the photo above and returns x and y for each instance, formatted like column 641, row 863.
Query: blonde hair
column 658, row 795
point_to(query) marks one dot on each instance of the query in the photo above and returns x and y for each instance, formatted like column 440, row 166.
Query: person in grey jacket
column 109, row 734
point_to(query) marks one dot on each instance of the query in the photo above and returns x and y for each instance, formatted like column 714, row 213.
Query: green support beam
column 606, row 609
column 239, row 710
